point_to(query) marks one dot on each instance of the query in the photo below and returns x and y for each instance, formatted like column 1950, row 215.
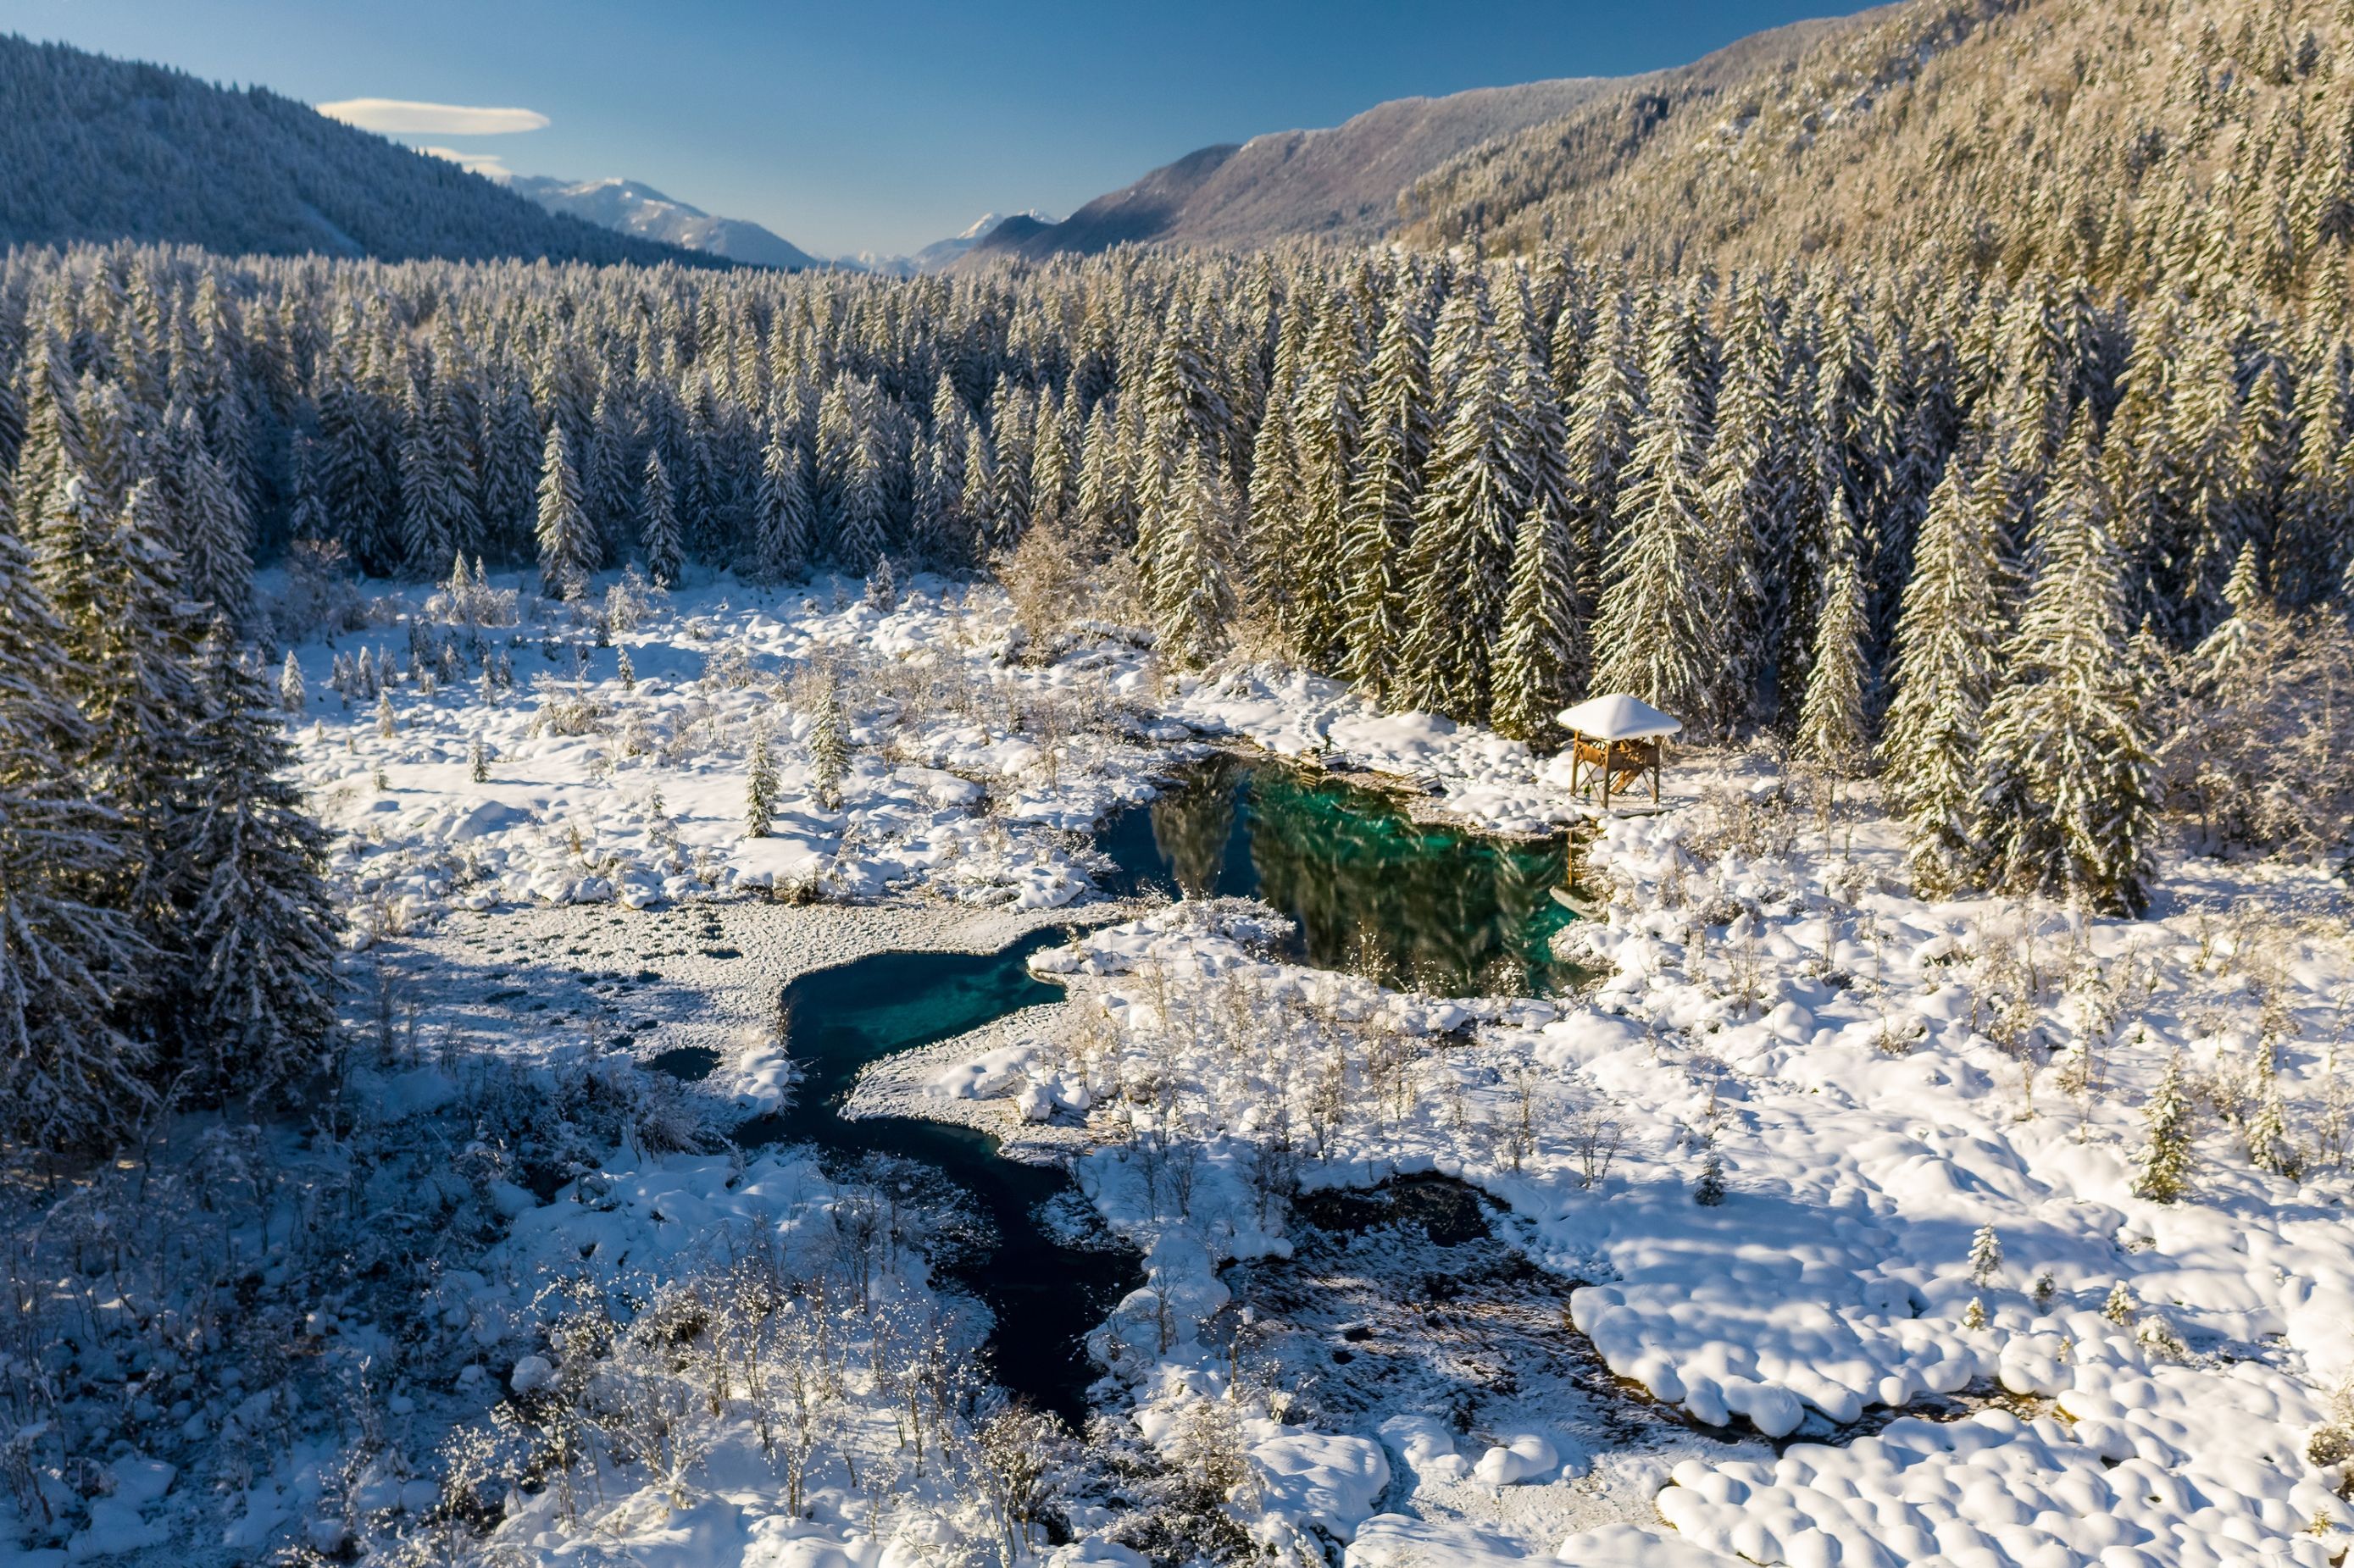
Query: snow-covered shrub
column 728, row 668
column 1739, row 817
column 320, row 600
column 470, row 599
column 2258, row 727
column 631, row 601
column 567, row 711
column 1047, row 579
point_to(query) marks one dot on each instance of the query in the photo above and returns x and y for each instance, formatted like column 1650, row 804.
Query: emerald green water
column 1372, row 891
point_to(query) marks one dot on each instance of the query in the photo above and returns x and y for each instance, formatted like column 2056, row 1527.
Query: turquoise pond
column 1372, row 891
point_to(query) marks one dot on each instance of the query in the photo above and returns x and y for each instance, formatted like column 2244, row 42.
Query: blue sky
column 885, row 124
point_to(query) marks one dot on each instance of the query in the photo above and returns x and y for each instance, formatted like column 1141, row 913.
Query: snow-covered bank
column 981, row 1080
column 1928, row 1123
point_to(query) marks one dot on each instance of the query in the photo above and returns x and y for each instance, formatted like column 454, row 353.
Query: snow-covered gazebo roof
column 1618, row 718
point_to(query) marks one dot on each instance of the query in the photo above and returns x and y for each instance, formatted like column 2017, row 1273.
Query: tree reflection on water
column 1373, row 891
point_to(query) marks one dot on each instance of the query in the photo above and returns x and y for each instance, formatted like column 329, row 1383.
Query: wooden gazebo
column 1616, row 740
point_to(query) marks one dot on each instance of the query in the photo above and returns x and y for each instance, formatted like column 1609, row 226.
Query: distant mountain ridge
column 631, row 206
column 942, row 253
column 93, row 148
column 1345, row 182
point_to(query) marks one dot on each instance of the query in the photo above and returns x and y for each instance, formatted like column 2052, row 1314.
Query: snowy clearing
column 1870, row 1084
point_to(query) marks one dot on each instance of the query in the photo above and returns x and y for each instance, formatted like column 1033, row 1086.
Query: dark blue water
column 1046, row 1296
column 1372, row 891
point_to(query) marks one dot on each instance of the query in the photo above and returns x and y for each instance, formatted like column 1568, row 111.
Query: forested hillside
column 1344, row 183
column 2202, row 147
column 99, row 149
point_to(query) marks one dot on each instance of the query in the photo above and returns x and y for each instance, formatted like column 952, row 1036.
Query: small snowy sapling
column 1986, row 1256
column 1711, row 1191
column 760, row 795
column 2164, row 1173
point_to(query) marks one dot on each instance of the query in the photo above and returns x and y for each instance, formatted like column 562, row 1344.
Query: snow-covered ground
column 971, row 771
column 1876, row 1081
column 1832, row 1045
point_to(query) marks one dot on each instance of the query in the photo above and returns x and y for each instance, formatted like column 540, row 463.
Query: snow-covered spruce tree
column 1834, row 730
column 865, row 525
column 1012, row 428
column 1107, row 497
column 1657, row 633
column 1327, row 419
column 215, row 543
column 1710, row 1190
column 608, row 474
column 1395, row 445
column 1986, row 1256
column 2203, row 420
column 568, row 548
column 130, row 649
column 2162, row 1173
column 51, row 448
column 436, row 510
column 68, row 534
column 307, row 519
column 1186, row 406
column 1190, row 578
column 357, row 488
column 1545, row 427
column 2270, row 1146
column 291, row 696
column 829, row 748
column 780, row 514
column 1746, row 489
column 1540, row 667
column 1053, row 467
column 509, row 471
column 478, row 760
column 883, row 588
column 1945, row 645
column 260, row 926
column 759, row 790
column 2068, row 804
column 1601, row 413
column 1271, row 531
column 112, row 436
column 658, row 527
column 977, row 504
column 1459, row 570
column 68, row 1074
column 2318, row 496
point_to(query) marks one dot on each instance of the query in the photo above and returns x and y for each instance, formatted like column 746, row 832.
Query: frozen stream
column 1369, row 889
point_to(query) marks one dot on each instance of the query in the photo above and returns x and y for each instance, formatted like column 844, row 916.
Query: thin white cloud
column 489, row 163
column 399, row 116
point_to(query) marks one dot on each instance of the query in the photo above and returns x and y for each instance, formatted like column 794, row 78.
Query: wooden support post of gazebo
column 1617, row 737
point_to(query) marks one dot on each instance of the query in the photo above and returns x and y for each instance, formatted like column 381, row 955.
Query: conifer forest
column 465, row 722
